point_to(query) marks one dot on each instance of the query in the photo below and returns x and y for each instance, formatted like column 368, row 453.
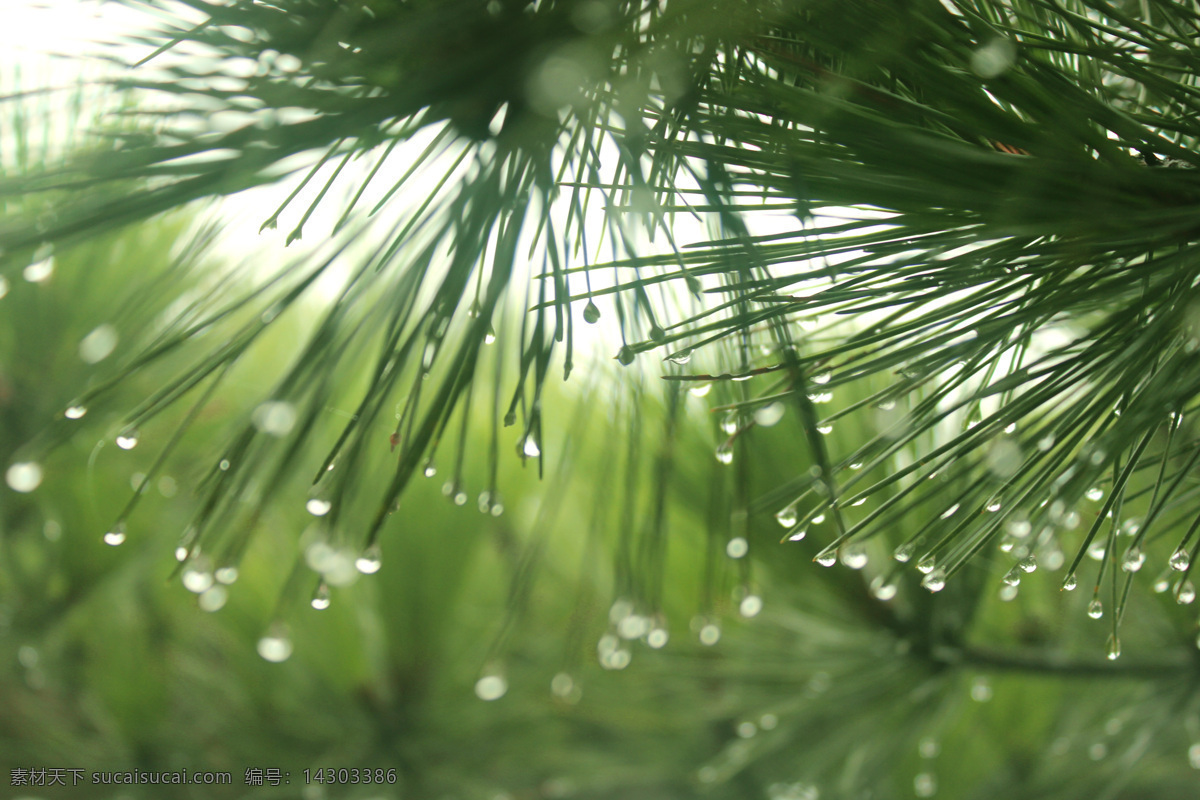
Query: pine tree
column 947, row 243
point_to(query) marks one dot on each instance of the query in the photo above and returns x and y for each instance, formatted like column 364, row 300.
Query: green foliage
column 930, row 259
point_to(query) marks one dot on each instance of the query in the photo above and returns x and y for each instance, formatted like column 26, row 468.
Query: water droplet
column 825, row 429
column 883, row 590
column 276, row 645
column 1185, row 593
column 700, row 390
column 935, row 581
column 1013, row 576
column 927, row 564
column 681, row 356
column 1133, row 559
column 925, row 784
column 1095, row 609
column 1194, row 756
column 213, row 598
column 75, row 411
column 1112, row 649
column 633, row 626
column 529, row 447
column 729, row 424
column 39, row 271
column 370, row 561
column 769, row 415
column 1162, row 582
column 725, row 453
column 710, row 634
column 993, row 506
column 746, row 730
column 1094, row 494
column 826, row 558
column 491, row 687
column 981, row 690
column 787, row 516
column 625, row 356
column 853, row 557
column 750, row 606
column 197, row 575
column 116, row 536
column 904, row 552
column 1096, row 550
column 321, row 597
column 562, row 685
column 1018, row 528
column 1179, row 560
column 430, row 469
column 128, row 439
column 274, row 418
column 949, row 512
column 797, row 536
column 318, row 507
column 887, row 405
column 460, row 498
column 737, row 547
column 490, row 336
column 657, row 638
column 1070, row 583
column 224, row 465
column 1046, row 442
column 591, row 313
column 23, row 476
column 1028, row 563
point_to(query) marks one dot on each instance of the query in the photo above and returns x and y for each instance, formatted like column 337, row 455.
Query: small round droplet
column 826, row 558
column 935, row 581
column 709, row 635
column 430, row 470
column 904, row 552
column 1094, row 494
column 1133, row 559
column 213, row 598
column 226, row 575
column 321, row 597
column 1113, row 649
column 276, row 645
column 1095, row 609
column 926, row 565
column 591, row 313
column 625, row 356
column 23, row 476
column 1013, row 576
column 197, row 577
column 853, row 557
column 737, row 547
column 1179, row 560
column 925, row 784
column 725, row 453
column 1028, row 563
column 370, row 561
column 116, row 536
column 883, row 590
column 657, row 638
column 1185, row 593
column 529, row 447
column 769, row 415
column 750, row 606
column 318, row 507
column 681, row 357
column 491, row 687
column 75, row 411
column 128, row 439
column 1070, row 583
column 787, row 516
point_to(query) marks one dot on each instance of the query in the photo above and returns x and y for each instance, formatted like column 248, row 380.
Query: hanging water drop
column 276, row 645
column 681, row 357
column 1179, row 560
column 321, row 597
column 768, row 415
column 737, row 547
column 213, row 598
column 853, row 557
column 1028, row 563
column 1113, row 648
column 23, row 476
column 825, row 429
column 949, row 512
column 750, row 606
column 725, row 453
column 75, row 411
column 197, row 575
column 730, row 423
column 826, row 558
column 904, row 552
column 529, row 447
column 1133, row 559
column 128, row 439
column 1185, row 593
column 370, row 561
column 1094, row 494
column 883, row 589
column 1095, row 609
column 116, row 536
column 318, row 507
column 797, row 535
column 625, row 356
column 927, row 564
column 935, row 581
column 1013, row 576
column 700, row 390
column 657, row 637
column 226, row 575
column 1070, row 583
column 430, row 469
column 787, row 516
column 709, row 634
column 591, row 313
column 491, row 687
column 490, row 336
column 1162, row 582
